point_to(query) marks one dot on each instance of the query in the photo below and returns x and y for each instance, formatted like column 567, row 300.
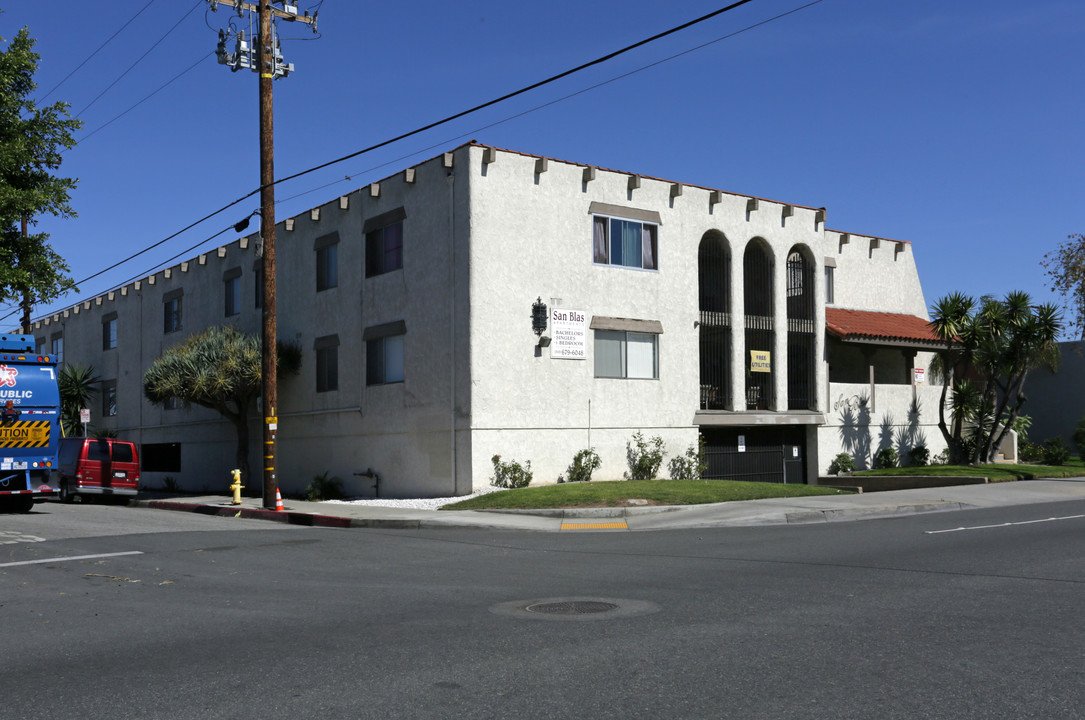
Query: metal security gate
column 714, row 300
column 756, row 454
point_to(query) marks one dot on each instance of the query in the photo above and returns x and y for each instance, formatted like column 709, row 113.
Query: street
column 971, row 614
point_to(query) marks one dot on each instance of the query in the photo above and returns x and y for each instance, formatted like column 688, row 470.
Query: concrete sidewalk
column 776, row 511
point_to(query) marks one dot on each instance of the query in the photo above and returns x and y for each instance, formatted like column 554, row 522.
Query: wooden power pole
column 268, row 62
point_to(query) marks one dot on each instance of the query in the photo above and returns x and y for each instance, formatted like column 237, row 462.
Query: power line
column 118, row 32
column 472, row 110
column 139, row 60
column 162, row 87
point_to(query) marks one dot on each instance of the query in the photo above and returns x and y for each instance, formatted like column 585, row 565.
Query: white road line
column 67, row 559
column 1005, row 524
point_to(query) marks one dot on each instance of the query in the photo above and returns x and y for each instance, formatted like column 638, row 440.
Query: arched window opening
column 801, row 345
column 714, row 296
column 760, row 333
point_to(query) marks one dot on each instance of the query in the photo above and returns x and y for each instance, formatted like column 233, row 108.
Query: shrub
column 644, row 456
column 1079, row 438
column 919, row 456
column 510, row 474
column 691, row 465
column 1055, row 451
column 584, row 464
column 324, row 488
column 842, row 464
column 941, row 458
column 1021, row 425
column 1030, row 452
column 886, row 458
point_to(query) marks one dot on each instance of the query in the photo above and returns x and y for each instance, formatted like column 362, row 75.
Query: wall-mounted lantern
column 538, row 317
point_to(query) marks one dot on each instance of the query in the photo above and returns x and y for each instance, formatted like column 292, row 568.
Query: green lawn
column 618, row 493
column 995, row 472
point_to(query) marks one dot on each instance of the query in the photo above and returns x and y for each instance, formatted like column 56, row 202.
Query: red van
column 97, row 466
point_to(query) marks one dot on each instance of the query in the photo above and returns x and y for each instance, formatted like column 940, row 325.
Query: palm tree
column 77, row 384
column 949, row 318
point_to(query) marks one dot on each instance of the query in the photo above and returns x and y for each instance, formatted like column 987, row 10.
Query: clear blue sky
column 956, row 126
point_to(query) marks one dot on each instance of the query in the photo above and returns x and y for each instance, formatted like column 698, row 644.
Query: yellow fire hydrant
column 236, row 487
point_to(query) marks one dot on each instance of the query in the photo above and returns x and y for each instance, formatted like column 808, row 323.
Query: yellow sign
column 760, row 361
column 25, row 434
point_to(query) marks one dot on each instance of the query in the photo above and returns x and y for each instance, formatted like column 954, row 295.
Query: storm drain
column 574, row 608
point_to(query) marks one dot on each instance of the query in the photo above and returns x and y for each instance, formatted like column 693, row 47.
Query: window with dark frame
column 327, row 363
column 384, row 362
column 231, row 285
column 171, row 311
column 160, row 457
column 109, row 331
column 57, row 349
column 327, row 261
column 384, row 243
column 109, row 398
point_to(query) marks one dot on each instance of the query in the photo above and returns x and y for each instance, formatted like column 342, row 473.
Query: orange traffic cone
column 278, row 501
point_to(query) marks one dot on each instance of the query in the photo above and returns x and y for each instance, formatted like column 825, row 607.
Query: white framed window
column 625, row 354
column 626, row 237
column 384, row 353
column 830, row 290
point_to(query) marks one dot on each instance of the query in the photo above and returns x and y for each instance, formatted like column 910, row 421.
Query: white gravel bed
column 414, row 503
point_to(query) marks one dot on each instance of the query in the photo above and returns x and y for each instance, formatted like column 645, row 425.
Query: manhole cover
column 573, row 607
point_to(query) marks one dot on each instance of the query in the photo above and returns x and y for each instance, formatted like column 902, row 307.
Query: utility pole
column 268, row 62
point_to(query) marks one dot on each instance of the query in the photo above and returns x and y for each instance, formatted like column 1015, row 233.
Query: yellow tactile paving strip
column 621, row 525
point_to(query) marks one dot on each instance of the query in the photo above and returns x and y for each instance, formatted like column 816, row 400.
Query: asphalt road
column 952, row 615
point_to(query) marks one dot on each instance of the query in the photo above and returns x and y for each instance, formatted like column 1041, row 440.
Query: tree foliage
column 1065, row 269
column 78, row 384
column 990, row 347
column 220, row 369
column 32, row 140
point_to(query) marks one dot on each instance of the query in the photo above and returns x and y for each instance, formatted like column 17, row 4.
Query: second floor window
column 109, row 398
column 628, row 243
column 57, row 349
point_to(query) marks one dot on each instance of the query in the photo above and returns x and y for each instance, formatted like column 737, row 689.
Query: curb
column 608, row 512
column 283, row 516
column 842, row 514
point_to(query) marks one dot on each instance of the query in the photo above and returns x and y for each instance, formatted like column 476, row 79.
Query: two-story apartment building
column 670, row 309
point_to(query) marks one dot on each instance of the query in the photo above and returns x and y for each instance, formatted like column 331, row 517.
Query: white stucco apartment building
column 671, row 309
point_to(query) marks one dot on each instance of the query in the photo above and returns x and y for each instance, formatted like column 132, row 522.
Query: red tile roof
column 855, row 324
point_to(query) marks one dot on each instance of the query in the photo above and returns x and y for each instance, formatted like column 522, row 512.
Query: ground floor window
column 624, row 354
column 160, row 457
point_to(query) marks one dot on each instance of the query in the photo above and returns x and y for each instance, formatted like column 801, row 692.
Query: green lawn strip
column 995, row 472
column 617, row 493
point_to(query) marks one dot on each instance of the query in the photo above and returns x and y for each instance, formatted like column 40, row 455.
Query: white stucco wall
column 482, row 241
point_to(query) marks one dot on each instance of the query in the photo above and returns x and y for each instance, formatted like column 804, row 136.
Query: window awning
column 880, row 328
